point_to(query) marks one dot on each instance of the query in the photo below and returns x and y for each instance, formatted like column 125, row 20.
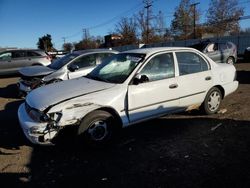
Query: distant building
column 112, row 40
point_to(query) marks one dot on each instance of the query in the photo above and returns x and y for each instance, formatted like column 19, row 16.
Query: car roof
column 93, row 50
column 20, row 49
column 150, row 51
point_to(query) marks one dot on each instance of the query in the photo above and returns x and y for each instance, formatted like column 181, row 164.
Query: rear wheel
column 230, row 60
column 97, row 128
column 212, row 101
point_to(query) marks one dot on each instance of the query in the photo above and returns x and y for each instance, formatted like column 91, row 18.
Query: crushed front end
column 38, row 127
column 26, row 84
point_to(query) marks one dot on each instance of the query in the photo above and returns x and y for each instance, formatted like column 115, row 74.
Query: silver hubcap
column 214, row 101
column 98, row 130
column 230, row 61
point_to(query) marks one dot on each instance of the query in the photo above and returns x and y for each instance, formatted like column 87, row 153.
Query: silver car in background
column 220, row 52
column 72, row 65
column 11, row 60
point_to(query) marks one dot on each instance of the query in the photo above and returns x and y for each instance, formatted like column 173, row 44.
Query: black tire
column 230, row 60
column 212, row 102
column 36, row 64
column 97, row 128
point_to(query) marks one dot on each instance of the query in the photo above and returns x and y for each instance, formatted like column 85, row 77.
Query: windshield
column 117, row 68
column 59, row 63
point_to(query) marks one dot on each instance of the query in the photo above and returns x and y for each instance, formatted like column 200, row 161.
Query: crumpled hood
column 51, row 94
column 35, row 71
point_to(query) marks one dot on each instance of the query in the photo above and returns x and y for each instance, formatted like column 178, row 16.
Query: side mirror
column 73, row 67
column 140, row 79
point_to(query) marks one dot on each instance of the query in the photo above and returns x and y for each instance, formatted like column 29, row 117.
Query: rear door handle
column 173, row 86
column 208, row 78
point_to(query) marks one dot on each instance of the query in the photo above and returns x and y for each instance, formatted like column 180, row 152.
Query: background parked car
column 220, row 52
column 72, row 65
column 11, row 60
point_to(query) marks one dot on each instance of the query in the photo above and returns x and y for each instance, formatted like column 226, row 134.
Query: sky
column 22, row 22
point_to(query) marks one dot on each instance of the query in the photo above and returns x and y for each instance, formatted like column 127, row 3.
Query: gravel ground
column 182, row 150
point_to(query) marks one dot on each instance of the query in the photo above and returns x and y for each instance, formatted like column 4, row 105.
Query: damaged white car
column 72, row 65
column 130, row 87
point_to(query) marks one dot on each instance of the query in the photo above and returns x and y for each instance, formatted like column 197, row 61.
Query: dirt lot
column 184, row 150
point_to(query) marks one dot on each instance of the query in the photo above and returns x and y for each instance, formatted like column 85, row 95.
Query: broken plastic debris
column 217, row 126
column 222, row 111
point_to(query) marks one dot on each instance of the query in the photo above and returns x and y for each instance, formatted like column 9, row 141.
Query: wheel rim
column 214, row 101
column 230, row 61
column 98, row 130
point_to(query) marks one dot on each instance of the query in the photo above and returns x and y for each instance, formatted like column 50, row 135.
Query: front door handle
column 208, row 78
column 173, row 86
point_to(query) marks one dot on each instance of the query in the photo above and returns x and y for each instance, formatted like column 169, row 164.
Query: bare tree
column 67, row 47
column 145, row 27
column 182, row 24
column 127, row 28
column 223, row 16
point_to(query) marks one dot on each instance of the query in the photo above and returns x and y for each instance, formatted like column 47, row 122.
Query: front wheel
column 97, row 128
column 212, row 101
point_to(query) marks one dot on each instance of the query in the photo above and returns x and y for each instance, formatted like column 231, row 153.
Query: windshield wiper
column 96, row 78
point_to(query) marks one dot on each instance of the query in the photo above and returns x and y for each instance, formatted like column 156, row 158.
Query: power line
column 106, row 22
column 114, row 18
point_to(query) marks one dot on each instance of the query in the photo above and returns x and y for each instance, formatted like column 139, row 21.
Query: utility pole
column 85, row 33
column 194, row 5
column 64, row 39
column 148, row 4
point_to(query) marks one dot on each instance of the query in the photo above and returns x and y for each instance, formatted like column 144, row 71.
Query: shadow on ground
column 243, row 77
column 11, row 136
column 166, row 152
column 10, row 91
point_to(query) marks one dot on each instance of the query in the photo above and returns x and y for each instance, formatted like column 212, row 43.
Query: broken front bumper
column 34, row 131
column 23, row 88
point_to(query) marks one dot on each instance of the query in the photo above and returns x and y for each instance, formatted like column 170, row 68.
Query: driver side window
column 86, row 61
column 159, row 67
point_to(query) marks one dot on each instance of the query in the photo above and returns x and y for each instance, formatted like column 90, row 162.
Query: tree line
column 222, row 17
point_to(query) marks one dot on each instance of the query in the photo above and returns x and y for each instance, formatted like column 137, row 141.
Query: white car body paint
column 75, row 98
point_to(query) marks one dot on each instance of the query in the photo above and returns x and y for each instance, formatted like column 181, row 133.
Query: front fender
column 73, row 113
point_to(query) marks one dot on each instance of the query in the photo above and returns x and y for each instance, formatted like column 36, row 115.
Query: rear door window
column 85, row 61
column 19, row 54
column 32, row 54
column 190, row 63
column 223, row 46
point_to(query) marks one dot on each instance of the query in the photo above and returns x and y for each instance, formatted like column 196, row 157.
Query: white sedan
column 130, row 87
